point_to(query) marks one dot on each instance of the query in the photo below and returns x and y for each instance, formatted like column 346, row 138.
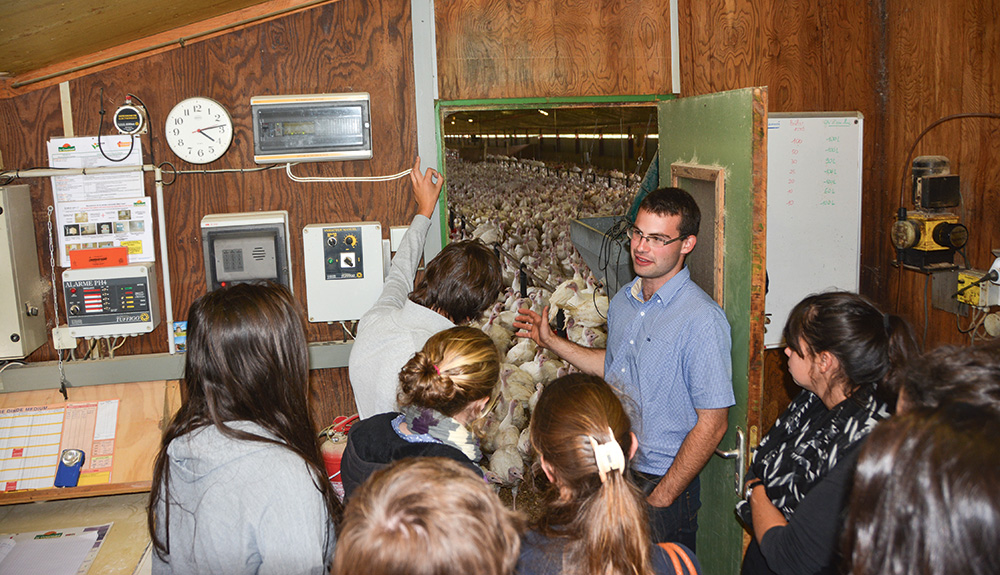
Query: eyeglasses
column 655, row 241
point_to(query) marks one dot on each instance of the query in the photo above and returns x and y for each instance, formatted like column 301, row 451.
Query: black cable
column 152, row 158
column 100, row 131
column 906, row 159
column 173, row 171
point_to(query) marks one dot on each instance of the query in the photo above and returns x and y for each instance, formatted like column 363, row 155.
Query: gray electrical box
column 246, row 247
column 22, row 321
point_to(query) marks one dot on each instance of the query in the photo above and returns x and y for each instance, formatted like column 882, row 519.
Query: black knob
column 15, row 338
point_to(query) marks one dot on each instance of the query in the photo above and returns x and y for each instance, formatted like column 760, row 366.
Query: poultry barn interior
column 518, row 180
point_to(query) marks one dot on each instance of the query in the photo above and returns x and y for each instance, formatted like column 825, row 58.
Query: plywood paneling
column 339, row 47
column 524, row 48
column 941, row 59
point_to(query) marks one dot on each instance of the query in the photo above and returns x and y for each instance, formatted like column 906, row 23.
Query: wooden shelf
column 143, row 410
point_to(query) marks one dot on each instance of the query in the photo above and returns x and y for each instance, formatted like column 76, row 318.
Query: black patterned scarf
column 808, row 439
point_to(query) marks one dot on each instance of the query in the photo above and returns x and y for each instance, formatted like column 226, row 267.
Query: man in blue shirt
column 668, row 351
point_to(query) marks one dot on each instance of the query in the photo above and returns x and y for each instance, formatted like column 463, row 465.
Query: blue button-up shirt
column 669, row 356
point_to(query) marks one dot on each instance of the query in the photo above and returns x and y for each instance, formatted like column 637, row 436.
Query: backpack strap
column 678, row 555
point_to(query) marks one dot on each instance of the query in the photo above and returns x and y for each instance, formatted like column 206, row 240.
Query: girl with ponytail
column 442, row 389
column 593, row 519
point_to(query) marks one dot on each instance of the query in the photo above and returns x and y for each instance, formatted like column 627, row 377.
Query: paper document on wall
column 84, row 152
column 90, row 224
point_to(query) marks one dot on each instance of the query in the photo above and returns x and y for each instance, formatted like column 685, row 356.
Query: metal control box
column 344, row 272
column 22, row 288
column 110, row 302
column 246, row 247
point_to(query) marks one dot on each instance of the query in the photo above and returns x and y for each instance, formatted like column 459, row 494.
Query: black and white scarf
column 808, row 439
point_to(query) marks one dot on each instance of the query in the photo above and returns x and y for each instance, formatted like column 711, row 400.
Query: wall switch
column 61, row 338
column 396, row 234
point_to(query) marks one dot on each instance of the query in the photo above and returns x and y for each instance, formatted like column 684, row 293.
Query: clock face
column 199, row 130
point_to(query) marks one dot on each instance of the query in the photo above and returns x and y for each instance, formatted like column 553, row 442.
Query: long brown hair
column 455, row 367
column 427, row 516
column 926, row 499
column 247, row 360
column 605, row 523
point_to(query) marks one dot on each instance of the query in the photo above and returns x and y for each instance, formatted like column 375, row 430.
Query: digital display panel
column 311, row 128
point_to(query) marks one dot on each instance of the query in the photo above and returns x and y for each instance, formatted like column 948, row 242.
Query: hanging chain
column 55, row 303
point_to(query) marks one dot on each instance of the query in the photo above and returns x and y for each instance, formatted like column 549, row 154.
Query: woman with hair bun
column 442, row 389
column 843, row 352
column 593, row 518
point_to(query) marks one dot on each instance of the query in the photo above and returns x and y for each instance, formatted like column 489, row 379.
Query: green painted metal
column 441, row 167
column 516, row 103
column 717, row 130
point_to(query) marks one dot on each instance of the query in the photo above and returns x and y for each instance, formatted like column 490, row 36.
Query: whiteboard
column 813, row 210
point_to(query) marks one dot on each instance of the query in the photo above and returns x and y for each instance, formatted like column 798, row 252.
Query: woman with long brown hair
column 593, row 519
column 239, row 484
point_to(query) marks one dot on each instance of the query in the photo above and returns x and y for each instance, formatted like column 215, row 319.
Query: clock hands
column 202, row 131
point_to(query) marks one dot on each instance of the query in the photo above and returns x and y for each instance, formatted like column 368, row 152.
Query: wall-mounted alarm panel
column 112, row 301
column 22, row 289
column 246, row 247
column 344, row 271
column 311, row 128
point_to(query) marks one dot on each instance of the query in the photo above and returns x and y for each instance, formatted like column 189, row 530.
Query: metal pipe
column 164, row 261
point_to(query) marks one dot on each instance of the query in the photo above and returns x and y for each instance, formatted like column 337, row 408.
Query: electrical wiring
column 347, row 330
column 100, row 135
column 10, row 363
column 303, row 179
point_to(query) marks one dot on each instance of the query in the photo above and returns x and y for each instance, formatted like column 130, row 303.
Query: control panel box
column 246, row 247
column 111, row 302
column 22, row 288
column 975, row 291
column 344, row 272
column 311, row 128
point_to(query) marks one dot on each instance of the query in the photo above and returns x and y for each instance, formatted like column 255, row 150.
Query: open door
column 715, row 147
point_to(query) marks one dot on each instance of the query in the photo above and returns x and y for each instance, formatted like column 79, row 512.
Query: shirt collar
column 666, row 291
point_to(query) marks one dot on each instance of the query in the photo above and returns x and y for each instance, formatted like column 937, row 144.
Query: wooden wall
column 525, row 48
column 940, row 59
column 339, row 47
column 902, row 64
column 812, row 57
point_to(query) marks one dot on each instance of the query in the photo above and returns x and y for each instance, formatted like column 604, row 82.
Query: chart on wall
column 813, row 209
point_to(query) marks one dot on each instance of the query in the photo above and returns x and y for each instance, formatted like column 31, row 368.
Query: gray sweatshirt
column 393, row 330
column 241, row 507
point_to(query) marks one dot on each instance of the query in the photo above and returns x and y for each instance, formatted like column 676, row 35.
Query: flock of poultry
column 525, row 208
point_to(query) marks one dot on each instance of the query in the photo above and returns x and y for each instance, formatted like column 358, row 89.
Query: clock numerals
column 206, row 122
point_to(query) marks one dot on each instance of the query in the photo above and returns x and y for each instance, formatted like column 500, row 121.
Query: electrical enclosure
column 311, row 128
column 22, row 288
column 112, row 301
column 246, row 247
column 344, row 269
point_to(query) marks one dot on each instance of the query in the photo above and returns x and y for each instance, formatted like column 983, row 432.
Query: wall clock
column 199, row 130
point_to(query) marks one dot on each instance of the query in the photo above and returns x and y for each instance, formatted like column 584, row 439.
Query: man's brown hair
column 460, row 282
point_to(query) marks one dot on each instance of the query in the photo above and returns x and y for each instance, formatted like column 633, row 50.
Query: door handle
column 738, row 454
